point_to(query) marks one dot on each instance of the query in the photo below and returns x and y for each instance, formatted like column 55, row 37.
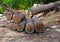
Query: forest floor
column 7, row 34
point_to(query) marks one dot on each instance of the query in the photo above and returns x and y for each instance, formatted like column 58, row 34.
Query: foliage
column 48, row 1
column 1, row 10
column 22, row 4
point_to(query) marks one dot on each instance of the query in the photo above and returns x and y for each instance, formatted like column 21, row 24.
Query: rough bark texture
column 44, row 8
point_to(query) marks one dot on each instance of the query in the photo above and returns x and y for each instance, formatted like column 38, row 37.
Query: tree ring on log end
column 29, row 26
column 38, row 26
column 18, row 18
column 21, row 25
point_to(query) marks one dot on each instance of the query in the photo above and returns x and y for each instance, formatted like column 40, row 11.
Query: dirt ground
column 7, row 34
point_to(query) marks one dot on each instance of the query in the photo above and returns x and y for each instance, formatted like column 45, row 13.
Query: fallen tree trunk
column 44, row 8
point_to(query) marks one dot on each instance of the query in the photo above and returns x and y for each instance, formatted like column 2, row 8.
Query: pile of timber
column 29, row 24
column 23, row 23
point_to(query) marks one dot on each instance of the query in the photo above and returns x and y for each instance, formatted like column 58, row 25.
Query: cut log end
column 29, row 29
column 14, row 26
column 38, row 26
column 18, row 18
column 21, row 25
column 29, row 26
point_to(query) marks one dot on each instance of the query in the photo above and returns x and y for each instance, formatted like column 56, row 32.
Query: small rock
column 57, row 30
column 55, row 26
column 1, row 15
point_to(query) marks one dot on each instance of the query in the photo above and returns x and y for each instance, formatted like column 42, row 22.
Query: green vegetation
column 22, row 4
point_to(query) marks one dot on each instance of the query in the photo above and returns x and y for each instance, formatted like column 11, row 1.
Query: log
column 44, row 8
column 15, row 15
column 29, row 26
column 11, row 12
column 38, row 26
column 18, row 18
column 21, row 25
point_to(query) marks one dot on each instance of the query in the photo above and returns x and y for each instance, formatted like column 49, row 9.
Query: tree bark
column 43, row 8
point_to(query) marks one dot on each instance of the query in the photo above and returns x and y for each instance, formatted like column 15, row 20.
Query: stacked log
column 21, row 25
column 18, row 18
column 38, row 25
column 29, row 24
